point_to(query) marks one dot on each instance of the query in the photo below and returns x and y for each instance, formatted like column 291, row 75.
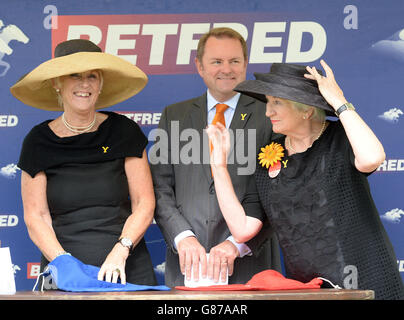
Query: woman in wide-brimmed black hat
column 86, row 184
column 312, row 182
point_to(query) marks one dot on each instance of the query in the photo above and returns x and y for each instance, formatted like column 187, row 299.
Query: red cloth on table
column 265, row 280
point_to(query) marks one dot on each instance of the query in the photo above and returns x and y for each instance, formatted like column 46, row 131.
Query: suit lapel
column 242, row 113
column 199, row 120
column 241, row 117
column 199, row 114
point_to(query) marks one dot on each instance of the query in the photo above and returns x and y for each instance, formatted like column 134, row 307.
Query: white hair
column 318, row 114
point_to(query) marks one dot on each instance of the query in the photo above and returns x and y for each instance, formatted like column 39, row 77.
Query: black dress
column 87, row 189
column 327, row 223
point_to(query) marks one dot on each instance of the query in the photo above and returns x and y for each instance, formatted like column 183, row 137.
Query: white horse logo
column 7, row 34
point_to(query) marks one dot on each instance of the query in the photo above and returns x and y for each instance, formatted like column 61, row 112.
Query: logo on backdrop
column 393, row 216
column 9, row 33
column 142, row 118
column 9, row 171
column 400, row 265
column 8, row 120
column 391, row 165
column 160, row 268
column 16, row 268
column 33, row 270
column 392, row 115
column 8, row 220
column 169, row 45
column 392, row 47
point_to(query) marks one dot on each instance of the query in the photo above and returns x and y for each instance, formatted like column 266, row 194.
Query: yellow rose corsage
column 271, row 154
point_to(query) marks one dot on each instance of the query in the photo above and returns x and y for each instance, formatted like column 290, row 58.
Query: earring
column 304, row 117
column 57, row 90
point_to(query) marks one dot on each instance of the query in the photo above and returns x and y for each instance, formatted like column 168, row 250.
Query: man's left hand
column 221, row 260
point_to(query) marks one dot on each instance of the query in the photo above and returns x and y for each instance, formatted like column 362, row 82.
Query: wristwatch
column 344, row 107
column 126, row 242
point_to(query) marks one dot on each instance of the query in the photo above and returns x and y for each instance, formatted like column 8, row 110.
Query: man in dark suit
column 187, row 210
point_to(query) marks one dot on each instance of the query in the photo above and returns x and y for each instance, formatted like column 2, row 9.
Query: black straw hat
column 286, row 81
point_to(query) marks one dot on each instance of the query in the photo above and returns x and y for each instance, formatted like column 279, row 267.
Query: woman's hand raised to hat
column 327, row 85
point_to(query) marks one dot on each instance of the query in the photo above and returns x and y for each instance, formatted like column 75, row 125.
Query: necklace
column 78, row 129
column 318, row 136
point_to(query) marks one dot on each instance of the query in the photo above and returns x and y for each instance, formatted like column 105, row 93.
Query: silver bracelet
column 62, row 253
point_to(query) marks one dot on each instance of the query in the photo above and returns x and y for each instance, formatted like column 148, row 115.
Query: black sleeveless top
column 328, row 226
column 87, row 189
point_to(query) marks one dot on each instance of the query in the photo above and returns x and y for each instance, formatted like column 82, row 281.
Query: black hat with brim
column 285, row 81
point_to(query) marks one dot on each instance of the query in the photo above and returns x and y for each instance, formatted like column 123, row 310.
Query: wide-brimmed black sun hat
column 286, row 81
column 121, row 79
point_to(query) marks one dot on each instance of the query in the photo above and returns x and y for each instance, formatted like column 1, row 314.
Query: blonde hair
column 318, row 114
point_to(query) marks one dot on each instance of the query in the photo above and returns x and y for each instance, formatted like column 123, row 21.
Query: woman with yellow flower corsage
column 270, row 157
column 312, row 183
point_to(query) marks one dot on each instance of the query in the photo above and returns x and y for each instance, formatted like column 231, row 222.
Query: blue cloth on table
column 70, row 274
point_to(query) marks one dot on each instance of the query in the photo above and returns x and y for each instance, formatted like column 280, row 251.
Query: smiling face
column 285, row 118
column 79, row 91
column 222, row 66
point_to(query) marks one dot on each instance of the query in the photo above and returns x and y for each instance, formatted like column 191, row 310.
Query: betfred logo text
column 8, row 220
column 33, row 270
column 8, row 120
column 143, row 118
column 166, row 44
column 400, row 264
column 391, row 165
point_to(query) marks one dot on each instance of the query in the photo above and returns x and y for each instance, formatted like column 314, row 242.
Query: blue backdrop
column 362, row 40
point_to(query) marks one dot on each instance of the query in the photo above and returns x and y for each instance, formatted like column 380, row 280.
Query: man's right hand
column 190, row 253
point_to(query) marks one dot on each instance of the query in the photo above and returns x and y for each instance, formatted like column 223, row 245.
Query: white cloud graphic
column 391, row 115
column 9, row 171
column 393, row 216
column 160, row 268
column 392, row 46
